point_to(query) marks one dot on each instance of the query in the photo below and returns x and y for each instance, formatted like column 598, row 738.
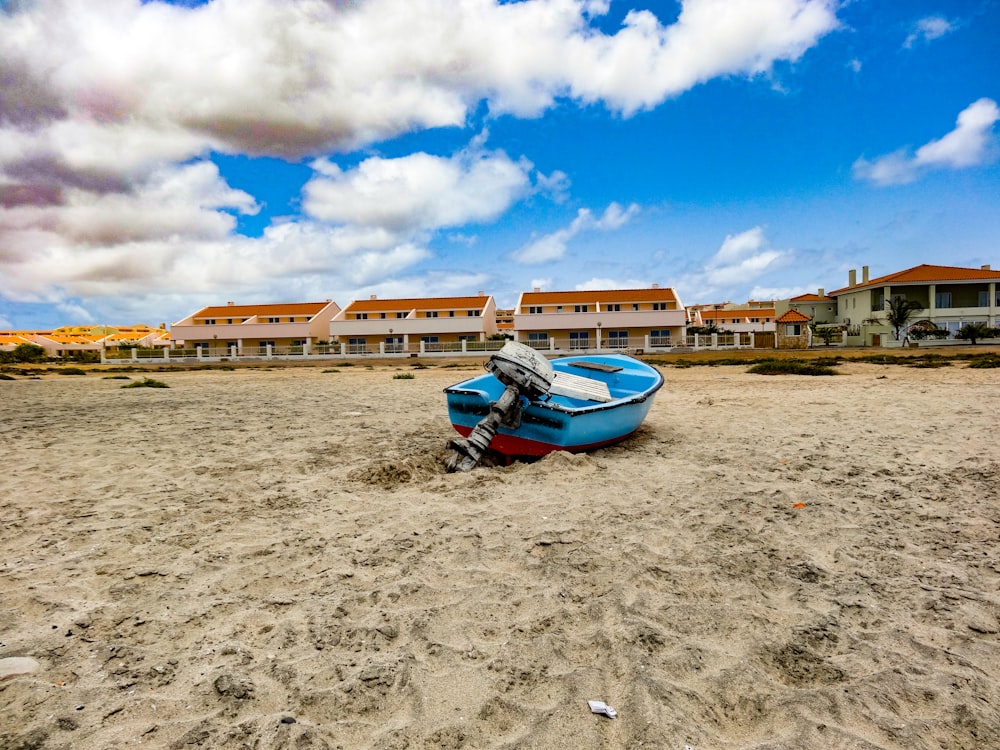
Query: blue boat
column 575, row 404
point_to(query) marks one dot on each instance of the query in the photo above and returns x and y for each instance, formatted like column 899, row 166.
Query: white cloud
column 971, row 142
column 596, row 283
column 108, row 111
column 928, row 29
column 298, row 77
column 552, row 246
column 418, row 191
column 739, row 260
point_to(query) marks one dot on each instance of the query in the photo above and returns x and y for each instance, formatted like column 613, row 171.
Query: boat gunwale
column 635, row 398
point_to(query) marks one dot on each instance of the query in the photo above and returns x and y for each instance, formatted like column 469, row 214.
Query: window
column 659, row 337
column 400, row 315
column 210, row 322
column 984, row 298
column 262, row 346
column 431, row 314
column 468, row 338
column 579, row 339
column 793, row 329
column 613, row 308
column 538, row 340
column 618, row 339
column 558, row 308
column 451, row 313
column 635, row 306
column 942, row 299
column 997, row 300
column 429, row 339
column 534, row 310
column 474, row 313
column 201, row 345
column 357, row 346
column 381, row 316
column 580, row 308
column 278, row 320
column 230, row 321
column 361, row 316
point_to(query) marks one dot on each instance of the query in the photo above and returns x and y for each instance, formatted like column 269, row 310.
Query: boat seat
column 579, row 387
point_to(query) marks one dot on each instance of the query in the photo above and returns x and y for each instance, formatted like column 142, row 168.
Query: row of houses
column 648, row 319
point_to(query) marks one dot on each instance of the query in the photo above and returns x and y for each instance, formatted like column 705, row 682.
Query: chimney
column 656, row 286
column 230, row 303
column 374, row 296
column 822, row 292
column 538, row 289
column 864, row 274
column 481, row 293
column 985, row 267
column 852, row 277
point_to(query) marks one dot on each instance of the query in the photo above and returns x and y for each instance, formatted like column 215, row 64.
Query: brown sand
column 771, row 562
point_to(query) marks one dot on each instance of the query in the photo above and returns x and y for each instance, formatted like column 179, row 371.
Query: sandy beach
column 276, row 558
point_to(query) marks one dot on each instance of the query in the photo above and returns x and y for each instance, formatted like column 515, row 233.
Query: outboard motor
column 526, row 374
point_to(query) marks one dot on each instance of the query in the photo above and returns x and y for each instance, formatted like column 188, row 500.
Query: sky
column 158, row 157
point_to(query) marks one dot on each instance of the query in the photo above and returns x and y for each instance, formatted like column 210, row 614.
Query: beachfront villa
column 69, row 341
column 820, row 308
column 602, row 319
column 753, row 316
column 949, row 297
column 237, row 330
column 647, row 319
column 415, row 325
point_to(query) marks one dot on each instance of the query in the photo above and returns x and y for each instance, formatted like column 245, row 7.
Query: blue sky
column 158, row 157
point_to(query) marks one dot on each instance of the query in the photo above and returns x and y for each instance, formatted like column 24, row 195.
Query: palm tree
column 973, row 331
column 899, row 311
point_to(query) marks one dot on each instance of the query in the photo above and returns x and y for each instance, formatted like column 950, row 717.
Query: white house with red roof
column 601, row 319
column 949, row 297
column 255, row 330
column 415, row 325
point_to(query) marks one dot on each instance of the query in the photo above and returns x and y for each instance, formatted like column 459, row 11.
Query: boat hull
column 563, row 423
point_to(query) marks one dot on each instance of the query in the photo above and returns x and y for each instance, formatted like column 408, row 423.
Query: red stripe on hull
column 511, row 445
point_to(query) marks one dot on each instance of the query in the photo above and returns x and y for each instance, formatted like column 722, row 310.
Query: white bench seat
column 579, row 387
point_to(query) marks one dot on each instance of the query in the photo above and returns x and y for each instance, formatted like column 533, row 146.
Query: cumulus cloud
column 552, row 246
column 298, row 77
column 741, row 258
column 109, row 113
column 418, row 191
column 928, row 29
column 972, row 142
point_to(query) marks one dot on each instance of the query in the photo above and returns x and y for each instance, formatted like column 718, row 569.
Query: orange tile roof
column 924, row 274
column 793, row 316
column 812, row 298
column 477, row 302
column 743, row 312
column 267, row 310
column 600, row 295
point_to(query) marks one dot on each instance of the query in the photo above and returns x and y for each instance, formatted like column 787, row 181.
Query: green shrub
column 332, row 369
column 985, row 361
column 71, row 371
column 146, row 383
column 790, row 367
column 117, row 377
column 403, row 376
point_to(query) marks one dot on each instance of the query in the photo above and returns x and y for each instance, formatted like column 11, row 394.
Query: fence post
column 267, row 350
column 381, row 348
column 166, row 354
column 696, row 341
column 422, row 347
